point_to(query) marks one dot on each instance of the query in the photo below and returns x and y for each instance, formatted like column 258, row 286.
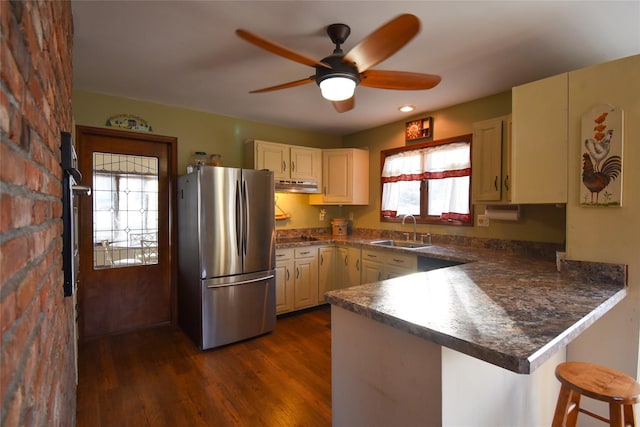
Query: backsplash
column 538, row 250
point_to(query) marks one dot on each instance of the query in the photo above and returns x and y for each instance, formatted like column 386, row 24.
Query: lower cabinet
column 348, row 267
column 305, row 280
column 326, row 271
column 296, row 278
column 284, row 280
column 380, row 265
column 305, row 274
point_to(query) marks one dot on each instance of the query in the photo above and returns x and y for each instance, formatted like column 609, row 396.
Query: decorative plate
column 127, row 121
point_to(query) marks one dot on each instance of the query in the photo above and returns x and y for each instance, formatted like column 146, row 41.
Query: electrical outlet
column 351, row 216
column 483, row 221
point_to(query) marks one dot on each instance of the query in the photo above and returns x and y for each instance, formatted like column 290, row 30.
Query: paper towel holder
column 503, row 212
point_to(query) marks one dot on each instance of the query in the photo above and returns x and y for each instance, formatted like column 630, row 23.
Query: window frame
column 426, row 219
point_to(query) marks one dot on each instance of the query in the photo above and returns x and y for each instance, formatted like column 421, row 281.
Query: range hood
column 293, row 186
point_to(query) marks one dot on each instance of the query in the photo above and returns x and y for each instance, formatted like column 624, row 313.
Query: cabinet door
column 487, row 160
column 347, row 266
column 326, row 271
column 506, row 158
column 305, row 282
column 539, row 141
column 284, row 286
column 371, row 271
column 392, row 271
column 306, row 164
column 353, row 266
column 274, row 157
column 345, row 178
column 338, row 178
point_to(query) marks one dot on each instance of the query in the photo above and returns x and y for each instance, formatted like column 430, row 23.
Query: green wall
column 200, row 131
column 542, row 223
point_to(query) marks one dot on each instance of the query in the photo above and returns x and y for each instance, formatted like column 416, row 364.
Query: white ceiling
column 186, row 53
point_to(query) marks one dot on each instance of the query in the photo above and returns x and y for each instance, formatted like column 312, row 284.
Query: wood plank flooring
column 157, row 377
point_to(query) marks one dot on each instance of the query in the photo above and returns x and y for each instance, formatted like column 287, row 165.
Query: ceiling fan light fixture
column 337, row 88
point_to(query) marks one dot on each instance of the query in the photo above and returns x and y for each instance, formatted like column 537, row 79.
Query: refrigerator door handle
column 244, row 282
column 245, row 217
column 239, row 231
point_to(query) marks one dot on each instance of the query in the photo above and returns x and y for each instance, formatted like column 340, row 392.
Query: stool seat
column 598, row 382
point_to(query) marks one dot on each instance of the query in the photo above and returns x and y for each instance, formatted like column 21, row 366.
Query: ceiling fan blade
column 383, row 42
column 346, row 105
column 286, row 85
column 398, row 80
column 279, row 49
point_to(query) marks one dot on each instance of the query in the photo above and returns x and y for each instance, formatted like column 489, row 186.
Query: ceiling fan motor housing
column 339, row 68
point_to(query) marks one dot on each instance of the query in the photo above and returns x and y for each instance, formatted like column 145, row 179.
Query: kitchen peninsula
column 475, row 344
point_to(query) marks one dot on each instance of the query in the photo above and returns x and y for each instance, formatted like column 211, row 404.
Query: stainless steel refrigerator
column 226, row 254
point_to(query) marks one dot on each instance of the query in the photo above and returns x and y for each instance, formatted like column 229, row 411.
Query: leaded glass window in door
column 125, row 210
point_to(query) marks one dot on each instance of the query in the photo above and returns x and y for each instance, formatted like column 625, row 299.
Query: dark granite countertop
column 508, row 310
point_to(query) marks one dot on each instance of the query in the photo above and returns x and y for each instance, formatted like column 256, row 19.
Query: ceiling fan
column 338, row 74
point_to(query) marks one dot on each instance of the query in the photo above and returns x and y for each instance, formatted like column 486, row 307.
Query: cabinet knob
column 284, row 166
column 495, row 182
column 293, row 167
column 506, row 182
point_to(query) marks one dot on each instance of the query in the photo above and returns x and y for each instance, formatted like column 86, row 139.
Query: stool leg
column 616, row 416
column 629, row 418
column 566, row 414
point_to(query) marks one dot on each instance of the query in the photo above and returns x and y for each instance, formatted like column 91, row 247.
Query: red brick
column 14, row 254
column 27, row 292
column 7, row 312
column 33, row 177
column 12, row 169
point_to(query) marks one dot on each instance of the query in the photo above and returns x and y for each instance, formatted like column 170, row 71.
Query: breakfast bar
column 475, row 344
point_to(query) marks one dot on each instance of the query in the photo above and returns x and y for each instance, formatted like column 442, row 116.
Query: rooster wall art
column 601, row 157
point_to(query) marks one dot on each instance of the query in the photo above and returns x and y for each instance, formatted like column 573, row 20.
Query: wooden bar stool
column 579, row 379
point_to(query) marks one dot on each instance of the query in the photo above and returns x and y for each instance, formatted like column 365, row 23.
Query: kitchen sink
column 407, row 244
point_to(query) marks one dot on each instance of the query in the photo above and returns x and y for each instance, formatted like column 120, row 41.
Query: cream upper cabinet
column 487, row 160
column 305, row 163
column 345, row 173
column 286, row 161
column 539, row 141
column 492, row 160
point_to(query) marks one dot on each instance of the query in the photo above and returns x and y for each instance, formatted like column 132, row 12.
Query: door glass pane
column 125, row 210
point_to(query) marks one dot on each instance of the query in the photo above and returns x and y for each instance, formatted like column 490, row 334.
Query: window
column 125, row 210
column 431, row 181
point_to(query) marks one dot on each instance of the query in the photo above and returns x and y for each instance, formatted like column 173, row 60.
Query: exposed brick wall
column 37, row 365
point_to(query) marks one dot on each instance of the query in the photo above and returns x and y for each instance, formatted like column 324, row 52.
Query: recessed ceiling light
column 407, row 108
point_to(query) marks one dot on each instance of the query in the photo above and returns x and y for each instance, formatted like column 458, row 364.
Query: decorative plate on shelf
column 127, row 121
column 418, row 129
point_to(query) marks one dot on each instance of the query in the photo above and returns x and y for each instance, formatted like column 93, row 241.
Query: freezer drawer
column 234, row 311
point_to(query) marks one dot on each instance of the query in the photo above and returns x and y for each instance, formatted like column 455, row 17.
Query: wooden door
column 127, row 239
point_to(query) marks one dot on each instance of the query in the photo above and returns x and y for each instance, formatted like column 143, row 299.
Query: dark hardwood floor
column 157, row 377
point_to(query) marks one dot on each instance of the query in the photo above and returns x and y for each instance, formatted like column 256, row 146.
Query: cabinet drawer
column 402, row 260
column 282, row 254
column 306, row 252
column 373, row 255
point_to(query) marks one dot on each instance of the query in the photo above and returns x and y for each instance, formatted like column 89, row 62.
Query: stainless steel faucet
column 415, row 236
